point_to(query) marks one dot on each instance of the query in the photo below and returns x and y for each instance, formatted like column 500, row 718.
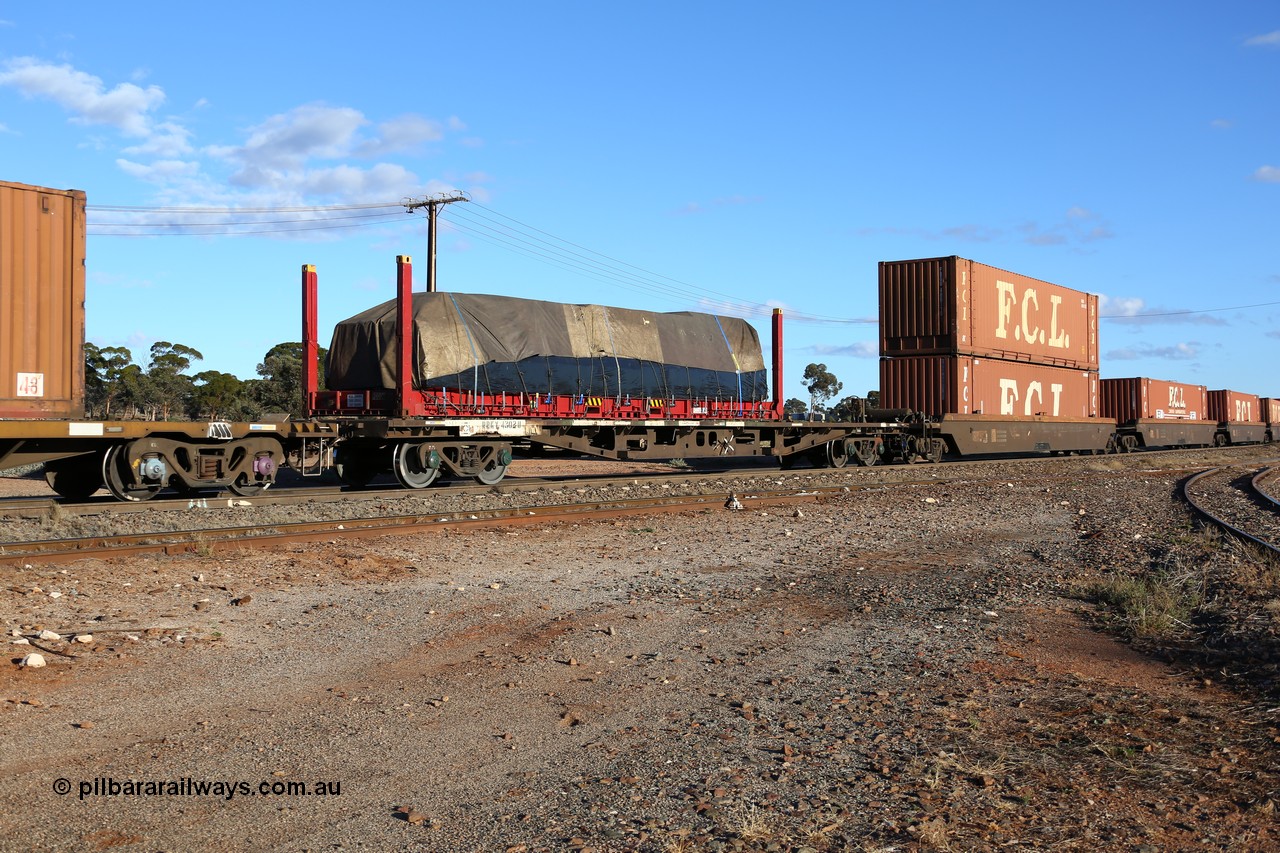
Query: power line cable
column 519, row 237
column 1183, row 313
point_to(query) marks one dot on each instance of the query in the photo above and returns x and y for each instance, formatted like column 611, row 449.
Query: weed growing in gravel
column 1150, row 606
column 201, row 545
column 677, row 463
column 753, row 824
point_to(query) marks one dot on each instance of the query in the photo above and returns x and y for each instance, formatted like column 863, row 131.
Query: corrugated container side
column 1139, row 398
column 42, row 253
column 1270, row 407
column 964, row 385
column 954, row 306
column 1234, row 407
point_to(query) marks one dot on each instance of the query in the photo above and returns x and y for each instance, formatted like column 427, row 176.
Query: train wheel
column 837, row 454
column 786, row 463
column 354, row 468
column 258, row 480
column 865, row 453
column 937, row 447
column 494, row 466
column 412, row 469
column 117, row 477
column 246, row 488
column 74, row 478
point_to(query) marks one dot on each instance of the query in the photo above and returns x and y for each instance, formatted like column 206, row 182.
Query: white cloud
column 1132, row 311
column 287, row 140
column 1177, row 352
column 166, row 140
column 378, row 183
column 1271, row 39
column 125, row 107
column 857, row 349
column 1124, row 306
column 278, row 156
column 159, row 172
column 401, row 134
column 1268, row 175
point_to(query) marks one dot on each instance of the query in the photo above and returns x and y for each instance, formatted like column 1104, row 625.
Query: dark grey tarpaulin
column 502, row 344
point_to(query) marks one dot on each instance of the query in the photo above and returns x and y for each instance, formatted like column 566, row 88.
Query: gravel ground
column 890, row 669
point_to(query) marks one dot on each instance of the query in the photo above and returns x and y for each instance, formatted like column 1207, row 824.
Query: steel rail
column 209, row 541
column 41, row 507
column 1256, row 485
column 1221, row 522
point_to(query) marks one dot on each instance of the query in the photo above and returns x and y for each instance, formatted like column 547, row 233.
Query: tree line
column 117, row 388
column 822, row 386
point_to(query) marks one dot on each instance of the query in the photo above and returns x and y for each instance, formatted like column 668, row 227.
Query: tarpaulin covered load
column 502, row 344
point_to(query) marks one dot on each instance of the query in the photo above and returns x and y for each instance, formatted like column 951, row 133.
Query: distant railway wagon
column 954, row 306
column 1157, row 413
column 1271, row 414
column 1239, row 417
column 436, row 386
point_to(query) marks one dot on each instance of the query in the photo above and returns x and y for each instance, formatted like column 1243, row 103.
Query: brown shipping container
column 1125, row 400
column 953, row 306
column 1270, row 407
column 1233, row 407
column 964, row 385
column 42, row 245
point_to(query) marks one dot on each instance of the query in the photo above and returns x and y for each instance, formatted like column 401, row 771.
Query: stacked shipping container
column 41, row 302
column 961, row 338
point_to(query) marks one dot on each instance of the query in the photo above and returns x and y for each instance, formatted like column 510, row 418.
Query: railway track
column 333, row 492
column 264, row 521
column 1240, row 500
column 209, row 541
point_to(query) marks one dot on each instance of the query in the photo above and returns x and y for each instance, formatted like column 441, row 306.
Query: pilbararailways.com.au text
column 227, row 789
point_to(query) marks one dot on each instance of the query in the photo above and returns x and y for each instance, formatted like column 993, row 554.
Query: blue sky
column 669, row 156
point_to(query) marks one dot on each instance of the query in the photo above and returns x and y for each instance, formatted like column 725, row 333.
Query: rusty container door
column 964, row 385
column 42, row 254
column 1234, row 407
column 1127, row 400
column 1270, row 410
column 954, row 306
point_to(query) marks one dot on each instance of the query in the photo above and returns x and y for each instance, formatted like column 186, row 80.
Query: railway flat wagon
column 984, row 405
column 1239, row 417
column 954, row 306
column 1157, row 413
column 437, row 384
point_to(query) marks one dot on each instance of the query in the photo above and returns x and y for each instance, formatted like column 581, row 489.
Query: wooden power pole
column 433, row 205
